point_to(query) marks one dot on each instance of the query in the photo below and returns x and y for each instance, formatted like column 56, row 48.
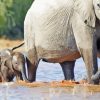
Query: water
column 49, row 72
column 15, row 92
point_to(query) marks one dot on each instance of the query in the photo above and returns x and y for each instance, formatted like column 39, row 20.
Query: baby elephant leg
column 68, row 69
column 18, row 76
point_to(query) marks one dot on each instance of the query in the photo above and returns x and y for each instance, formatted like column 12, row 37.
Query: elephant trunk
column 85, row 37
column 90, row 58
column 23, row 71
column 31, row 69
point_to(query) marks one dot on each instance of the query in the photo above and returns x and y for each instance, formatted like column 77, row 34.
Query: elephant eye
column 16, row 63
column 98, row 5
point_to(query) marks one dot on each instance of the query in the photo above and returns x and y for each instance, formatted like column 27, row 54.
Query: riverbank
column 5, row 43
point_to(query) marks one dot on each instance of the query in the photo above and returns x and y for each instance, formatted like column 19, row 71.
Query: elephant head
column 8, row 52
column 18, row 63
column 12, row 66
column 7, row 68
column 7, row 72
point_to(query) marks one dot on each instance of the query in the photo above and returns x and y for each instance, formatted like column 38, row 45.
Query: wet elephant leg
column 68, row 69
column 96, row 76
column 18, row 76
column 31, row 71
column 31, row 65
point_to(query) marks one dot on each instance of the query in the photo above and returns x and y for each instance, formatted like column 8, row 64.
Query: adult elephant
column 62, row 31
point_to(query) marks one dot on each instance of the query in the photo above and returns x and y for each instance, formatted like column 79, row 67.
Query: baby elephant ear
column 85, row 9
column 8, row 63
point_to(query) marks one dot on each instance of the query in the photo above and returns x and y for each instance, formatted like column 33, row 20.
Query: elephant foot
column 31, row 77
column 32, row 72
column 96, row 78
column 68, row 69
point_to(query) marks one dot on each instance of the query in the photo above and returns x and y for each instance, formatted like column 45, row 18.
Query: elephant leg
column 86, row 44
column 96, row 76
column 98, row 47
column 4, row 74
column 29, row 39
column 31, row 71
column 18, row 76
column 31, row 65
column 68, row 69
column 0, row 77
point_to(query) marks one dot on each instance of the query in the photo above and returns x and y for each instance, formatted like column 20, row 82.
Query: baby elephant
column 6, row 72
column 13, row 66
column 18, row 64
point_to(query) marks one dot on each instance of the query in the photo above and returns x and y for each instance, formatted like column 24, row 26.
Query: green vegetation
column 12, row 14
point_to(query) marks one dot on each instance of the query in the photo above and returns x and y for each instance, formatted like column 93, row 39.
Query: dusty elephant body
column 62, row 31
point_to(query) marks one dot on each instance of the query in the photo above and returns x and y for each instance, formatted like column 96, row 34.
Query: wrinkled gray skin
column 12, row 64
column 61, row 32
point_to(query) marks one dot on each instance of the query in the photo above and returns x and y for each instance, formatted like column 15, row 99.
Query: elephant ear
column 8, row 63
column 85, row 9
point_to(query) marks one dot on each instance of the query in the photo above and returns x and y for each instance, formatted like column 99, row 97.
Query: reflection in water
column 81, row 90
column 49, row 72
column 15, row 92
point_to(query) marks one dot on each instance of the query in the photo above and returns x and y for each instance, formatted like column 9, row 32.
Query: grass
column 5, row 43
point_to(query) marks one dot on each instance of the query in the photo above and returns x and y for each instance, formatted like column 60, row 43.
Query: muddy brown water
column 51, row 72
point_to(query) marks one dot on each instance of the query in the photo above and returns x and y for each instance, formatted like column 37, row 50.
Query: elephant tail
column 17, row 46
